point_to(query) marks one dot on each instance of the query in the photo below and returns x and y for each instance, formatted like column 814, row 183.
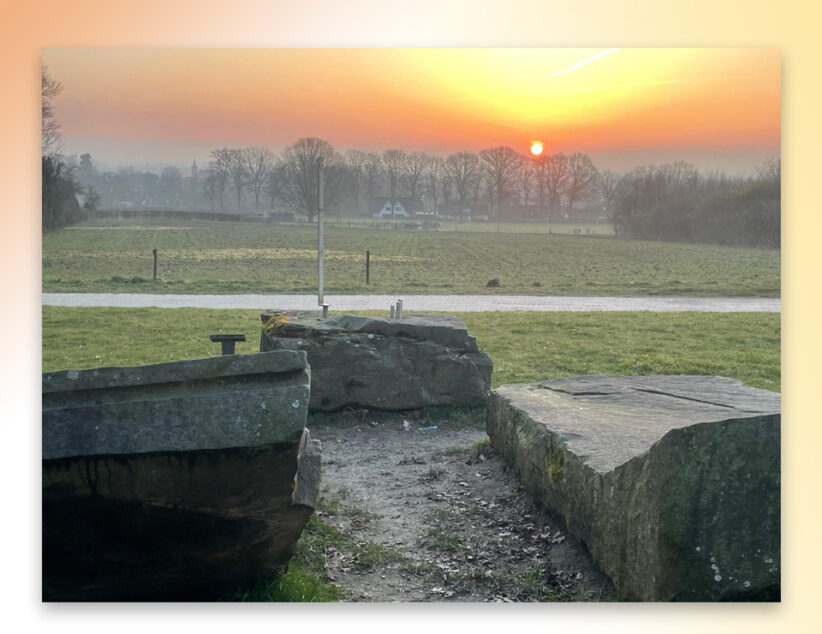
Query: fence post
column 155, row 264
column 367, row 267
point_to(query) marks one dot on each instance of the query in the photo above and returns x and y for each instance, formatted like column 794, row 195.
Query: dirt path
column 435, row 515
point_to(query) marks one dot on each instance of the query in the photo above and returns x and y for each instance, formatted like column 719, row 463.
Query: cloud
column 585, row 62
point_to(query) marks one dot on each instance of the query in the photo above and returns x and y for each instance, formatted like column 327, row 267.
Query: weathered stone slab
column 177, row 481
column 411, row 363
column 213, row 403
column 672, row 482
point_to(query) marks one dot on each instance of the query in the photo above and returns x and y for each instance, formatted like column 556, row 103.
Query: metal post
column 392, row 311
column 227, row 342
column 367, row 266
column 155, row 264
column 399, row 309
column 320, row 281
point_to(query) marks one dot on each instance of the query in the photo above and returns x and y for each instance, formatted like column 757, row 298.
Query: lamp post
column 320, row 240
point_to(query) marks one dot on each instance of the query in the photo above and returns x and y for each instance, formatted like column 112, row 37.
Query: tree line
column 675, row 202
column 509, row 183
column 60, row 188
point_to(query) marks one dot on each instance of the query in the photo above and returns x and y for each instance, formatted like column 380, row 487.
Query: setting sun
column 536, row 148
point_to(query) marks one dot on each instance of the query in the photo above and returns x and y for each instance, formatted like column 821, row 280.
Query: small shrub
column 274, row 321
column 443, row 539
column 492, row 283
column 370, row 555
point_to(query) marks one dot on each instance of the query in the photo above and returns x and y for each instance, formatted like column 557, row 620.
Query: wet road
column 451, row 303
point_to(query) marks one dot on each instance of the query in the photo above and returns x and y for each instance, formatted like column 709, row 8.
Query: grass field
column 250, row 257
column 523, row 346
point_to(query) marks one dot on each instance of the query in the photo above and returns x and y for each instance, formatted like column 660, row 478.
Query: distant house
column 398, row 207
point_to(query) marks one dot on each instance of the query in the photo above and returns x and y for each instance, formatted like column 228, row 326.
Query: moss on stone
column 554, row 464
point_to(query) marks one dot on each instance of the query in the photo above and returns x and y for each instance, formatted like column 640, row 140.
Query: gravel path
column 432, row 513
column 455, row 303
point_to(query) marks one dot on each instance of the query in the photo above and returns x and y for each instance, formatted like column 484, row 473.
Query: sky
column 716, row 108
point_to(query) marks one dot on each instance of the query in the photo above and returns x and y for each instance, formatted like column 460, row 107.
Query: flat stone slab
column 409, row 363
column 672, row 482
column 176, row 481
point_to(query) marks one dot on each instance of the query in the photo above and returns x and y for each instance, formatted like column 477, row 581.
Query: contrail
column 585, row 61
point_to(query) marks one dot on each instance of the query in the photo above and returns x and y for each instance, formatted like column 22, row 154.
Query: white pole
column 320, row 284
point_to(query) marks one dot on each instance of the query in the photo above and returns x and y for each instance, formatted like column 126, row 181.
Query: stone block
column 672, row 482
column 176, row 481
column 414, row 362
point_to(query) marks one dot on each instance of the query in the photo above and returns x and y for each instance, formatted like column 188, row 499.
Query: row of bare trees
column 660, row 202
column 676, row 202
column 499, row 176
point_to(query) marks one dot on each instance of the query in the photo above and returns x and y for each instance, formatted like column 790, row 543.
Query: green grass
column 306, row 578
column 244, row 257
column 524, row 347
column 530, row 346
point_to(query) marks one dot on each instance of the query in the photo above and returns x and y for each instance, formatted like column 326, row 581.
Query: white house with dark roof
column 397, row 207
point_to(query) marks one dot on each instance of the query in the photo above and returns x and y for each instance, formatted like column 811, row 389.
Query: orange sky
column 719, row 108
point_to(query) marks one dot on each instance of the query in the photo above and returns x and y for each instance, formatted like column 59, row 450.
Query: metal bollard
column 227, row 342
column 399, row 309
column 392, row 311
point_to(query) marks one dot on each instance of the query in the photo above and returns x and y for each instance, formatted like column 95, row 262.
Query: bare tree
column 434, row 181
column 237, row 171
column 210, row 186
column 51, row 140
column 274, row 183
column 681, row 177
column 394, row 162
column 769, row 172
column 258, row 163
column 169, row 187
column 300, row 186
column 372, row 173
column 608, row 184
column 500, row 165
column 525, row 181
column 60, row 187
column 218, row 171
column 556, row 178
column 477, row 189
column 415, row 167
column 463, row 172
column 355, row 160
column 539, row 167
column 582, row 178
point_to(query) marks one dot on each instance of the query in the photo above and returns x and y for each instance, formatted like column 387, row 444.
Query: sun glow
column 536, row 148
column 175, row 104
